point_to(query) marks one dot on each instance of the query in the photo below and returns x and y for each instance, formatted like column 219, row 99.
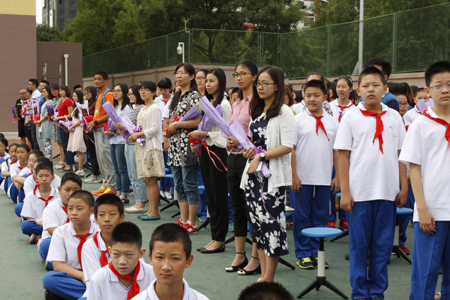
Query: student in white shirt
column 3, row 154
column 126, row 275
column 55, row 214
column 37, row 201
column 426, row 149
column 415, row 112
column 22, row 156
column 312, row 161
column 170, row 254
column 369, row 140
column 65, row 249
column 108, row 213
column 6, row 166
column 213, row 161
column 339, row 107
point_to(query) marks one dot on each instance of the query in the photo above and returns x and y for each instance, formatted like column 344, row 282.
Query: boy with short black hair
column 55, row 214
column 108, row 213
column 386, row 68
column 265, row 291
column 65, row 249
column 36, row 201
column 126, row 275
column 426, row 151
column 312, row 163
column 170, row 253
column 369, row 140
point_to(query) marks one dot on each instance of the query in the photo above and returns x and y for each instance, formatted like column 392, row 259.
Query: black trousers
column 216, row 188
column 236, row 166
column 90, row 146
column 33, row 141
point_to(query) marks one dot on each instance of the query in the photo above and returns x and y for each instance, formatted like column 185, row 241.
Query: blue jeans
column 166, row 183
column 120, row 168
column 186, row 184
column 139, row 188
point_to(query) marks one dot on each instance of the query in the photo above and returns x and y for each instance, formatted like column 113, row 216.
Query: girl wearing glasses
column 271, row 130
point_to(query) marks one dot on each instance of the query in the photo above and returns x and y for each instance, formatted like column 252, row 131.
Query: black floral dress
column 267, row 213
column 180, row 154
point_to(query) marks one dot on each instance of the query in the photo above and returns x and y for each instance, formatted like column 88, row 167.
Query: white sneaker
column 81, row 173
column 91, row 179
column 168, row 195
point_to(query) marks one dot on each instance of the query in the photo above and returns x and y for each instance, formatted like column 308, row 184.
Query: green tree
column 45, row 33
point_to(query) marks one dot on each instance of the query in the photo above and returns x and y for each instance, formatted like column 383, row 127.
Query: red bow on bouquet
column 36, row 118
column 204, row 144
column 175, row 119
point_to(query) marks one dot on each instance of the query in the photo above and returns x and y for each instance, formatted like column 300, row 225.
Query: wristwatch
column 95, row 122
column 262, row 156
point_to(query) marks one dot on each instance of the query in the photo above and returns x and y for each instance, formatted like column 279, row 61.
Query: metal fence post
column 279, row 50
column 328, row 51
column 394, row 44
column 167, row 50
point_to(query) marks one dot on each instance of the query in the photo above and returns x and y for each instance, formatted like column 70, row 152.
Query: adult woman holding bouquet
column 181, row 158
column 213, row 164
column 46, row 129
column 90, row 94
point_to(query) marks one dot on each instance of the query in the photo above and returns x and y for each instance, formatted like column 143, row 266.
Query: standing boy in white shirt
column 36, row 201
column 426, row 150
column 170, row 254
column 369, row 140
column 55, row 214
column 126, row 275
column 108, row 213
column 312, row 164
column 67, row 281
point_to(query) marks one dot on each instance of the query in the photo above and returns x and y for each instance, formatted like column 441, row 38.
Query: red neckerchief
column 440, row 121
column 165, row 101
column 20, row 168
column 342, row 110
column 65, row 210
column 2, row 155
column 320, row 124
column 379, row 126
column 80, row 245
column 135, row 288
column 13, row 163
column 103, row 258
column 42, row 198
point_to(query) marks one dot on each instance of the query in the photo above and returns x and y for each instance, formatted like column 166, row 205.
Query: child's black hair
column 2, row 135
column 435, row 68
column 71, row 177
column 148, row 85
column 371, row 71
column 418, row 90
column 170, row 233
column 42, row 159
column 83, row 195
column 127, row 232
column 109, row 199
column 44, row 165
column 334, row 94
column 36, row 153
column 317, row 84
column 396, row 88
column 165, row 83
column 385, row 65
column 346, row 78
column 322, row 78
column 24, row 146
column 265, row 291
column 4, row 141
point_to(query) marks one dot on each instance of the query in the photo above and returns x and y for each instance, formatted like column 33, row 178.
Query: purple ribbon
column 140, row 140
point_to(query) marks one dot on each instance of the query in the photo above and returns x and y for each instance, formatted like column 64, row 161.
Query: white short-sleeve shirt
column 104, row 284
column 54, row 216
column 33, row 207
column 30, row 183
column 188, row 294
column 334, row 106
column 411, row 115
column 372, row 175
column 64, row 244
column 90, row 256
column 166, row 110
column 299, row 106
column 314, row 152
column 15, row 169
column 425, row 145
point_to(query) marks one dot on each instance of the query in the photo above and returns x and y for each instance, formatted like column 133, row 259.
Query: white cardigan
column 280, row 131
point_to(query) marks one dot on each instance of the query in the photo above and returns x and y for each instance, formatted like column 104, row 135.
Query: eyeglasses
column 241, row 74
column 130, row 94
column 403, row 104
column 263, row 84
column 180, row 73
column 117, row 91
column 440, row 87
column 200, row 78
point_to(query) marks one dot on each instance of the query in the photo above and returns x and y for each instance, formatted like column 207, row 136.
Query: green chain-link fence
column 411, row 40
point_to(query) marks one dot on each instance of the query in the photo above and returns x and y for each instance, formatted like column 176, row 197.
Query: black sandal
column 245, row 272
column 238, row 267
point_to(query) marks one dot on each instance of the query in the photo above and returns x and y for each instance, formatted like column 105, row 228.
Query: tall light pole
column 361, row 36
column 180, row 49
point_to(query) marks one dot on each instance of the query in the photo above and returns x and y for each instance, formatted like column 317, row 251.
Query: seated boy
column 55, row 214
column 126, row 275
column 30, row 182
column 6, row 166
column 426, row 150
column 13, row 190
column 65, row 249
column 369, row 140
column 108, row 213
column 265, row 291
column 170, row 253
column 312, row 165
column 36, row 201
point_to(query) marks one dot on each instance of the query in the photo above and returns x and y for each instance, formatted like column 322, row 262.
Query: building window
column 61, row 12
column 72, row 4
column 73, row 14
